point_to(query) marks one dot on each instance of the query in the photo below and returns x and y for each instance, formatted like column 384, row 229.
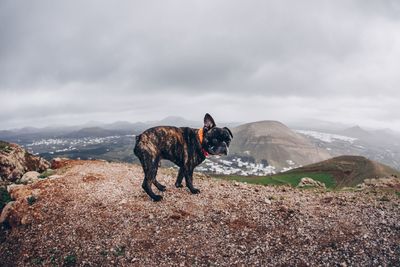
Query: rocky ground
column 94, row 213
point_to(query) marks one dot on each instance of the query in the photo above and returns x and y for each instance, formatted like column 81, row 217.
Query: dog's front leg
column 189, row 182
column 179, row 179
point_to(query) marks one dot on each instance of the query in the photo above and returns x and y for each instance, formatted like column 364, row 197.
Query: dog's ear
column 208, row 122
column 229, row 131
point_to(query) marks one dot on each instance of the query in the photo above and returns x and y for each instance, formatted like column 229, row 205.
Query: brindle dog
column 184, row 146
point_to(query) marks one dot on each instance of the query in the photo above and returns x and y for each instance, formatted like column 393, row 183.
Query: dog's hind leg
column 150, row 167
column 159, row 186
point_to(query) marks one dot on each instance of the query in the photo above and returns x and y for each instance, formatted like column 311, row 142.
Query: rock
column 12, row 187
column 19, row 192
column 6, row 211
column 58, row 163
column 15, row 161
column 268, row 201
column 55, row 176
column 385, row 182
column 29, row 177
column 309, row 182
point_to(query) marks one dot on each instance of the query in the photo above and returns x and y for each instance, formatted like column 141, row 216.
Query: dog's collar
column 201, row 137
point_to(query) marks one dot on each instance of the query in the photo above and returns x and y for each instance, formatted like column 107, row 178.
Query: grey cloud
column 152, row 58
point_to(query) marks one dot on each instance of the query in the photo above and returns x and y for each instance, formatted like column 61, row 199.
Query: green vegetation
column 384, row 198
column 119, row 251
column 37, row 261
column 70, row 260
column 4, row 197
column 103, row 253
column 31, row 200
column 46, row 174
column 291, row 179
column 4, row 146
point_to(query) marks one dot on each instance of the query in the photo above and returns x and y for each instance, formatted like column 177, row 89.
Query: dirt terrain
column 94, row 213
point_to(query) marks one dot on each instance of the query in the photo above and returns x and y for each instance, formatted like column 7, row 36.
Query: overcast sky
column 69, row 62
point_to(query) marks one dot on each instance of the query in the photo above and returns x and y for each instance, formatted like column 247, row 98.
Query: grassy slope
column 337, row 172
column 348, row 170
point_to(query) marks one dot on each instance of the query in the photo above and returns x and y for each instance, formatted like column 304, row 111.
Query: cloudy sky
column 69, row 62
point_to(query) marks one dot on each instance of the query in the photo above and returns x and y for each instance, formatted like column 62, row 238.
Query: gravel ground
column 96, row 214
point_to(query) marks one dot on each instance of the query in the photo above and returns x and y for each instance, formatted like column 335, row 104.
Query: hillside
column 348, row 170
column 94, row 213
column 276, row 143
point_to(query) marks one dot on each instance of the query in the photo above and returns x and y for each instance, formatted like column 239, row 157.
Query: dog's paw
column 162, row 188
column 178, row 185
column 195, row 191
column 157, row 198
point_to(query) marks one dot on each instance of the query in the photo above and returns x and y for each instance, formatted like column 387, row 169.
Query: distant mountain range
column 267, row 142
column 98, row 129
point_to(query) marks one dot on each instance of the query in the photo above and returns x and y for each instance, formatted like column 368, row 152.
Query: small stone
column 267, row 201
column 309, row 182
column 55, row 176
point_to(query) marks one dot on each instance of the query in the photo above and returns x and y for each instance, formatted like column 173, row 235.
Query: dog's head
column 215, row 140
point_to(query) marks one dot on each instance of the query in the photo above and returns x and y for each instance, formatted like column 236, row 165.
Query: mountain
column 275, row 143
column 347, row 170
column 178, row 122
column 357, row 132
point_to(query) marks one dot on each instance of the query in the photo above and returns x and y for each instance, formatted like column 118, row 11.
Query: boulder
column 309, row 182
column 12, row 187
column 5, row 213
column 15, row 161
column 29, row 177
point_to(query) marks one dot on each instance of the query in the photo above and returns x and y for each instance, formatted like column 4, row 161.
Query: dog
column 184, row 146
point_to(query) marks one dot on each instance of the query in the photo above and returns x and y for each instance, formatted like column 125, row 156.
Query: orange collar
column 201, row 137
